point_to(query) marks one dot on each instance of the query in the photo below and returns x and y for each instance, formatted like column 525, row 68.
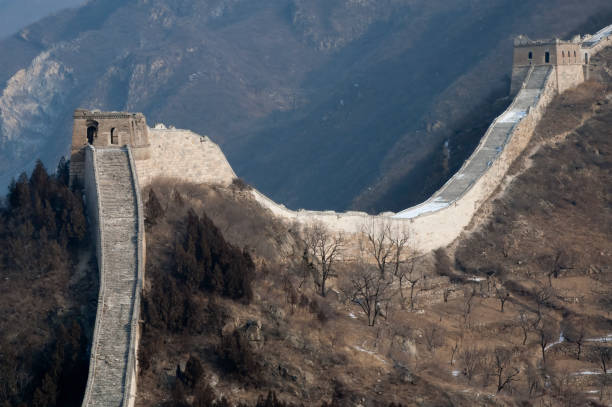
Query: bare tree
column 468, row 299
column 526, row 324
column 502, row 295
column 322, row 251
column 547, row 334
column 503, row 369
column 386, row 244
column 603, row 354
column 434, row 336
column 534, row 380
column 575, row 333
column 370, row 290
column 471, row 360
column 558, row 262
column 454, row 350
column 543, row 296
column 406, row 273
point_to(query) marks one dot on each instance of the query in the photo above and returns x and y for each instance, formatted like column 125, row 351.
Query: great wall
column 115, row 153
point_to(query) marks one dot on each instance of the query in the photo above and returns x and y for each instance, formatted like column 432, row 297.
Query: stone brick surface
column 118, row 244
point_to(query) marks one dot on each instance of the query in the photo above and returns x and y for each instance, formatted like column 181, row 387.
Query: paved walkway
column 490, row 147
column 110, row 348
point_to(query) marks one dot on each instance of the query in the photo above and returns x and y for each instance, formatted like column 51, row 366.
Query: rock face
column 314, row 101
column 119, row 282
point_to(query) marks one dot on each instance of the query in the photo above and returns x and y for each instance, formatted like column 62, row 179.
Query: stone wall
column 132, row 365
column 439, row 228
column 186, row 156
column 569, row 76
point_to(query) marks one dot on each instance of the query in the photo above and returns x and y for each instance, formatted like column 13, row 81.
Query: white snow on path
column 427, row 207
column 591, row 372
column 513, row 116
column 369, row 352
column 607, row 338
column 560, row 340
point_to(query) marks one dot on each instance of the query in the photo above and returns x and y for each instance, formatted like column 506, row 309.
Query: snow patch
column 427, row 207
column 558, row 341
column 512, row 116
column 369, row 352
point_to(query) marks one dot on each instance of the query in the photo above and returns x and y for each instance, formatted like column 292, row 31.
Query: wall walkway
column 113, row 193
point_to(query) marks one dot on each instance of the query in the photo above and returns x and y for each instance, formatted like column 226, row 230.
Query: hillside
column 515, row 313
column 48, row 292
column 320, row 104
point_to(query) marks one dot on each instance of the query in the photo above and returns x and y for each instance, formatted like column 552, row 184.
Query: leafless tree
column 434, row 336
column 454, row 350
column 446, row 293
column 543, row 296
column 386, row 244
column 370, row 290
column 503, row 369
column 323, row 249
column 502, row 295
column 547, row 334
column 471, row 359
column 558, row 262
column 526, row 324
column 575, row 333
column 406, row 273
column 534, row 380
column 468, row 299
column 603, row 354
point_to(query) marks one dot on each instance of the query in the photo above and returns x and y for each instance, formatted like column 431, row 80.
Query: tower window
column 547, row 57
column 114, row 136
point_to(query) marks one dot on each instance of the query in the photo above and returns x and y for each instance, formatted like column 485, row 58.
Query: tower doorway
column 92, row 131
column 91, row 134
column 547, row 58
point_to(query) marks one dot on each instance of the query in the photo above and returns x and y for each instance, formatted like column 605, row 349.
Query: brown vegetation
column 47, row 290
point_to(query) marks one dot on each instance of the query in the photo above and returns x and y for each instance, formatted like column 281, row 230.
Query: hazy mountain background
column 368, row 104
column 16, row 14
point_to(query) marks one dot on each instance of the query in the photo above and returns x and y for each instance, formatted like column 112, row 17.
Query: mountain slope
column 320, row 104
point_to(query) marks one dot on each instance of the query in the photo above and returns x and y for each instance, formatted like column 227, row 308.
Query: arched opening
column 586, row 58
column 547, row 57
column 530, row 55
column 114, row 136
column 92, row 131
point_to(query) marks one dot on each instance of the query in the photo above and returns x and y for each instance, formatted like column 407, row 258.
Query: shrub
column 236, row 355
column 204, row 260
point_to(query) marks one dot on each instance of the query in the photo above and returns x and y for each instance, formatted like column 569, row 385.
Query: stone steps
column 119, row 250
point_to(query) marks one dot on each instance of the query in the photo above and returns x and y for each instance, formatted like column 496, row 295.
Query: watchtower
column 106, row 129
column 566, row 57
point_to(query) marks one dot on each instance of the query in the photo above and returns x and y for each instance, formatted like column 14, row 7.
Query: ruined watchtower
column 106, row 129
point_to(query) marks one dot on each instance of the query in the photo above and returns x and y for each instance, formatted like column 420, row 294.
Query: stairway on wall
column 120, row 228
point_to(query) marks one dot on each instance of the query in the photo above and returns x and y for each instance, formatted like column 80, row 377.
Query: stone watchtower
column 106, row 129
column 567, row 57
